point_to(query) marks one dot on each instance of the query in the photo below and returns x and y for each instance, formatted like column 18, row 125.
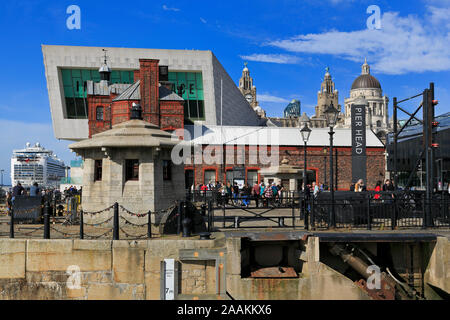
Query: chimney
column 149, row 86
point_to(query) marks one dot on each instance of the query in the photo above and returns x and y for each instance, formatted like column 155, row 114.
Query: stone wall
column 121, row 269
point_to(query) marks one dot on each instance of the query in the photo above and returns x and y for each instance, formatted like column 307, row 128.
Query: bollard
column 47, row 220
column 186, row 227
column 116, row 222
column 149, row 224
column 11, row 224
column 81, row 225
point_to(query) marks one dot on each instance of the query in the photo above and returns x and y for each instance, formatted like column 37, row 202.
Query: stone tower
column 326, row 95
column 249, row 91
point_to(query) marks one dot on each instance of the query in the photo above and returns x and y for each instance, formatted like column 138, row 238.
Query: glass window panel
column 200, row 94
column 86, row 75
column 68, row 91
column 199, row 79
column 66, row 76
column 193, row 113
column 95, row 75
column 76, row 73
column 70, row 108
column 201, row 109
column 190, row 76
column 210, row 175
column 191, row 91
column 252, row 177
column 80, row 109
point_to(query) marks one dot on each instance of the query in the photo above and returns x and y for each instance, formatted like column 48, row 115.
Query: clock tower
column 249, row 91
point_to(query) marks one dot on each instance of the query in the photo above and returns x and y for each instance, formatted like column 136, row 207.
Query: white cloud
column 202, row 20
column 274, row 58
column 270, row 98
column 15, row 134
column 166, row 8
column 402, row 45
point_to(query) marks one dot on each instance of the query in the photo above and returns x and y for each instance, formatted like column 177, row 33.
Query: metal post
column 47, row 220
column 293, row 212
column 305, row 183
column 394, row 100
column 333, row 214
column 426, row 122
column 223, row 213
column 236, row 222
column 369, row 222
column 313, row 218
column 81, row 225
column 11, row 224
column 116, row 222
column 210, row 218
column 149, row 224
column 179, row 217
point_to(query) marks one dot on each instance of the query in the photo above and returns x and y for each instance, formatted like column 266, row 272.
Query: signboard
column 169, row 279
column 359, row 159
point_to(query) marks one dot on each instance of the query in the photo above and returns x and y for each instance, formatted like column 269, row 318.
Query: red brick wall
column 172, row 115
column 149, row 76
column 316, row 159
column 121, row 110
column 97, row 126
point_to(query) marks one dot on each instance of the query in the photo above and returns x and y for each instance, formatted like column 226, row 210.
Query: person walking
column 256, row 193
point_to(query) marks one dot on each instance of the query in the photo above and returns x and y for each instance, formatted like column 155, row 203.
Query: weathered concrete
column 37, row 269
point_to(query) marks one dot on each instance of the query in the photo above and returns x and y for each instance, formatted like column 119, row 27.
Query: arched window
column 99, row 113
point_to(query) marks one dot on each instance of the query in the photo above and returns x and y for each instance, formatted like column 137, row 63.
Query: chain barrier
column 129, row 235
column 132, row 223
column 132, row 213
column 96, row 237
column 99, row 223
column 65, row 234
column 100, row 211
column 31, row 232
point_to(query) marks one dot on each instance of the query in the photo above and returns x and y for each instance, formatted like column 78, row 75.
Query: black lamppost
column 305, row 131
column 331, row 114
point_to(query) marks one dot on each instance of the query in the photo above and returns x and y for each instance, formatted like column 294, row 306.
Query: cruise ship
column 36, row 164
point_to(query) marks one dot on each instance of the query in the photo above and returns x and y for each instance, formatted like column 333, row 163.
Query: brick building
column 235, row 149
column 110, row 104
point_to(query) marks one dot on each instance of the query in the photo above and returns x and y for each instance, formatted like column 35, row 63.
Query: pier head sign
column 358, row 118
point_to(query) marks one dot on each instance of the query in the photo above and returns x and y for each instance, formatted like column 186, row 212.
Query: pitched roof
column 282, row 136
column 131, row 93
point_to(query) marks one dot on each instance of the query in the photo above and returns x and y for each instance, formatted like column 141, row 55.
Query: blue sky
column 287, row 45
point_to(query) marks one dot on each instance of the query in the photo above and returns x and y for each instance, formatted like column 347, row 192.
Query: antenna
column 104, row 50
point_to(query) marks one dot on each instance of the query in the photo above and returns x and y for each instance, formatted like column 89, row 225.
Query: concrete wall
column 121, row 269
column 438, row 270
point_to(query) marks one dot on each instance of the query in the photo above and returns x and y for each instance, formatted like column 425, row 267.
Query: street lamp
column 305, row 131
column 331, row 114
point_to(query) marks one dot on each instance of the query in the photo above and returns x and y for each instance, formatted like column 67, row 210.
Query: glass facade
column 188, row 85
column 74, row 93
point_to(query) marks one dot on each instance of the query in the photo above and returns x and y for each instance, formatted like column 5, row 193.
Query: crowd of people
column 35, row 190
column 272, row 193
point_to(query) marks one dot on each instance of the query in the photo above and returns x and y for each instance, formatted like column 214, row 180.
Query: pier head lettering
column 358, row 122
